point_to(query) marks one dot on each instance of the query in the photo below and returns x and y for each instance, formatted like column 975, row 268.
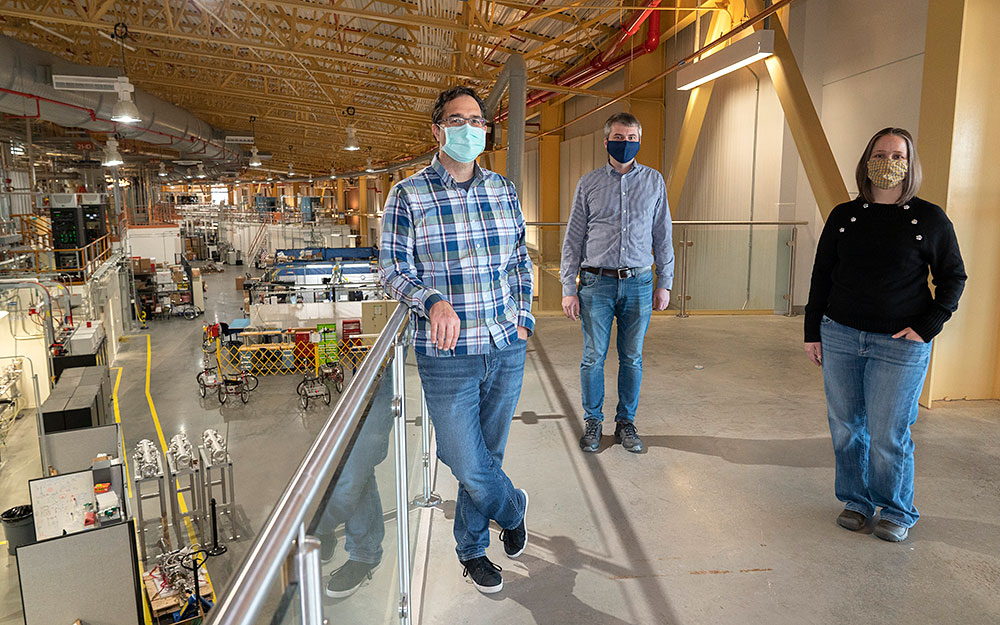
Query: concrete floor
column 727, row 518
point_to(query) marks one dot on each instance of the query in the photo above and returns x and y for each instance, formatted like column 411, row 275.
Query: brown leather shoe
column 887, row 530
column 851, row 520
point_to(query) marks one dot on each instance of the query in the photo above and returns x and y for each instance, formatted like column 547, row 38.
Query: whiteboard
column 58, row 503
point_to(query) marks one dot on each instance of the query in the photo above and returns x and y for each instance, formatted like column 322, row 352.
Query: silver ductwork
column 26, row 89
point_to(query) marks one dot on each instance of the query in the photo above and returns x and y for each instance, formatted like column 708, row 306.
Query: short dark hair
column 625, row 119
column 450, row 94
column 914, row 173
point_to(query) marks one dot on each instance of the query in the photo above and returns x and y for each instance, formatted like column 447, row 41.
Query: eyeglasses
column 457, row 120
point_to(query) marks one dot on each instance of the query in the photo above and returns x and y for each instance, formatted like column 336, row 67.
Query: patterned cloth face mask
column 886, row 173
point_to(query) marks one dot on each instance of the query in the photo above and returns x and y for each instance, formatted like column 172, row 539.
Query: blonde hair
column 914, row 174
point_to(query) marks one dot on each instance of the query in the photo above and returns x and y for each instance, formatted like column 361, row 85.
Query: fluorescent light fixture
column 254, row 159
column 163, row 170
column 740, row 54
column 112, row 158
column 351, row 145
column 50, row 31
column 110, row 38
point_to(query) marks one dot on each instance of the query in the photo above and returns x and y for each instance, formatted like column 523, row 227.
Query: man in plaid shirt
column 453, row 250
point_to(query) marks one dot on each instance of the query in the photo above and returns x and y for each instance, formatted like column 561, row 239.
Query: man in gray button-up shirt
column 619, row 226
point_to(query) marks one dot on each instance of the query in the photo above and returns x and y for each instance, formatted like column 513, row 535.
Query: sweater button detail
column 854, row 218
column 920, row 238
column 841, row 229
column 906, row 207
column 914, row 222
column 865, row 205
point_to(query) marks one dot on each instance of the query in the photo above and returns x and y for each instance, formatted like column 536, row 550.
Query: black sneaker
column 346, row 580
column 515, row 540
column 485, row 575
column 626, row 435
column 591, row 438
column 327, row 546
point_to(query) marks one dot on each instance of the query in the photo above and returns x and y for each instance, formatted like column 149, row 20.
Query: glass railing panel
column 732, row 268
column 356, row 520
column 415, row 426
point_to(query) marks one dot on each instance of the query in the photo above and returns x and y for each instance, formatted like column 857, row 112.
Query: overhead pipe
column 162, row 121
column 609, row 59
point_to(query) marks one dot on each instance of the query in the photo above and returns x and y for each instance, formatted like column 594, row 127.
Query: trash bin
column 18, row 527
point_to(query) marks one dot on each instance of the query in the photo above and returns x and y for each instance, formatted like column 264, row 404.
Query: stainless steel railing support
column 684, row 272
column 402, row 491
column 310, row 578
column 428, row 499
column 792, row 245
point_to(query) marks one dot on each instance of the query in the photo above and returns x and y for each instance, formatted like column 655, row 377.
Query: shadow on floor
column 657, row 601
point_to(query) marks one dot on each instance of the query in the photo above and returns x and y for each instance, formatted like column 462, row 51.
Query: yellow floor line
column 121, row 430
column 163, row 447
column 128, row 482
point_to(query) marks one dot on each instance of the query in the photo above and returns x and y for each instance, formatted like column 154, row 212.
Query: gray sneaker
column 591, row 438
column 626, row 434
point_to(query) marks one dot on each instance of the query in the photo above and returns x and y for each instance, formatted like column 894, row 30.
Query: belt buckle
column 624, row 273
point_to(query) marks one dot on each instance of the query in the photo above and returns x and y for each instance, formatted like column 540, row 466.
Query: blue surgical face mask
column 623, row 151
column 464, row 143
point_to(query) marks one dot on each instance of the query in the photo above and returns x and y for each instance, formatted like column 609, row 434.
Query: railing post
column 792, row 244
column 402, row 490
column 684, row 271
column 427, row 499
column 310, row 578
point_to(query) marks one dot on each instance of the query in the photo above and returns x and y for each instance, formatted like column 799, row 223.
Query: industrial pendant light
column 369, row 168
column 291, row 172
column 333, row 172
column 201, row 170
column 112, row 158
column 351, row 145
column 254, row 158
column 124, row 111
column 163, row 170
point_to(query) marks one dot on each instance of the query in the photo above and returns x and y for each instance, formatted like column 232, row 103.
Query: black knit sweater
column 871, row 269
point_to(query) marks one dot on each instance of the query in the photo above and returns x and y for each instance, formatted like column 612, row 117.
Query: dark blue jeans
column 471, row 401
column 873, row 382
column 603, row 299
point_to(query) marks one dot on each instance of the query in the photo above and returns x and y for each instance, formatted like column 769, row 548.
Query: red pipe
column 606, row 62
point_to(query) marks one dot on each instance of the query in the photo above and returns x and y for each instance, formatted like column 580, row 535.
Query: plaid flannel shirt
column 440, row 241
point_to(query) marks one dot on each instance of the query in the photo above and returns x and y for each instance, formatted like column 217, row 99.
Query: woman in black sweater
column 869, row 323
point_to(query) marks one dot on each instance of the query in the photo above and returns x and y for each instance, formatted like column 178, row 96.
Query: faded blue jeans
column 471, row 401
column 873, row 382
column 602, row 300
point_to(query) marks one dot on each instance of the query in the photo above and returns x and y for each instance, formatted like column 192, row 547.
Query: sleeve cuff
column 527, row 320
column 812, row 334
column 664, row 281
column 931, row 324
column 431, row 299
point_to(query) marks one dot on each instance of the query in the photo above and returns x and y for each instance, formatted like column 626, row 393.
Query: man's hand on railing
column 445, row 325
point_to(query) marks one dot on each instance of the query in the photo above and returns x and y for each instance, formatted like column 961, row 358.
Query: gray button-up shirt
column 618, row 221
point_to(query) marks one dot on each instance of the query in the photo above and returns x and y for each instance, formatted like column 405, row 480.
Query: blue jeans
column 602, row 300
column 354, row 499
column 873, row 382
column 471, row 401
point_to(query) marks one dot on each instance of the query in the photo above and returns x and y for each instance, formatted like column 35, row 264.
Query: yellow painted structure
column 959, row 143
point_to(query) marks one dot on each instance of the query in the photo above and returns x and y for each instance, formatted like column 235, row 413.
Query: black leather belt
column 621, row 274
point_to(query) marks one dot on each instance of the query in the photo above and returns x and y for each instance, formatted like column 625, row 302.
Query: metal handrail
column 682, row 222
column 243, row 600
